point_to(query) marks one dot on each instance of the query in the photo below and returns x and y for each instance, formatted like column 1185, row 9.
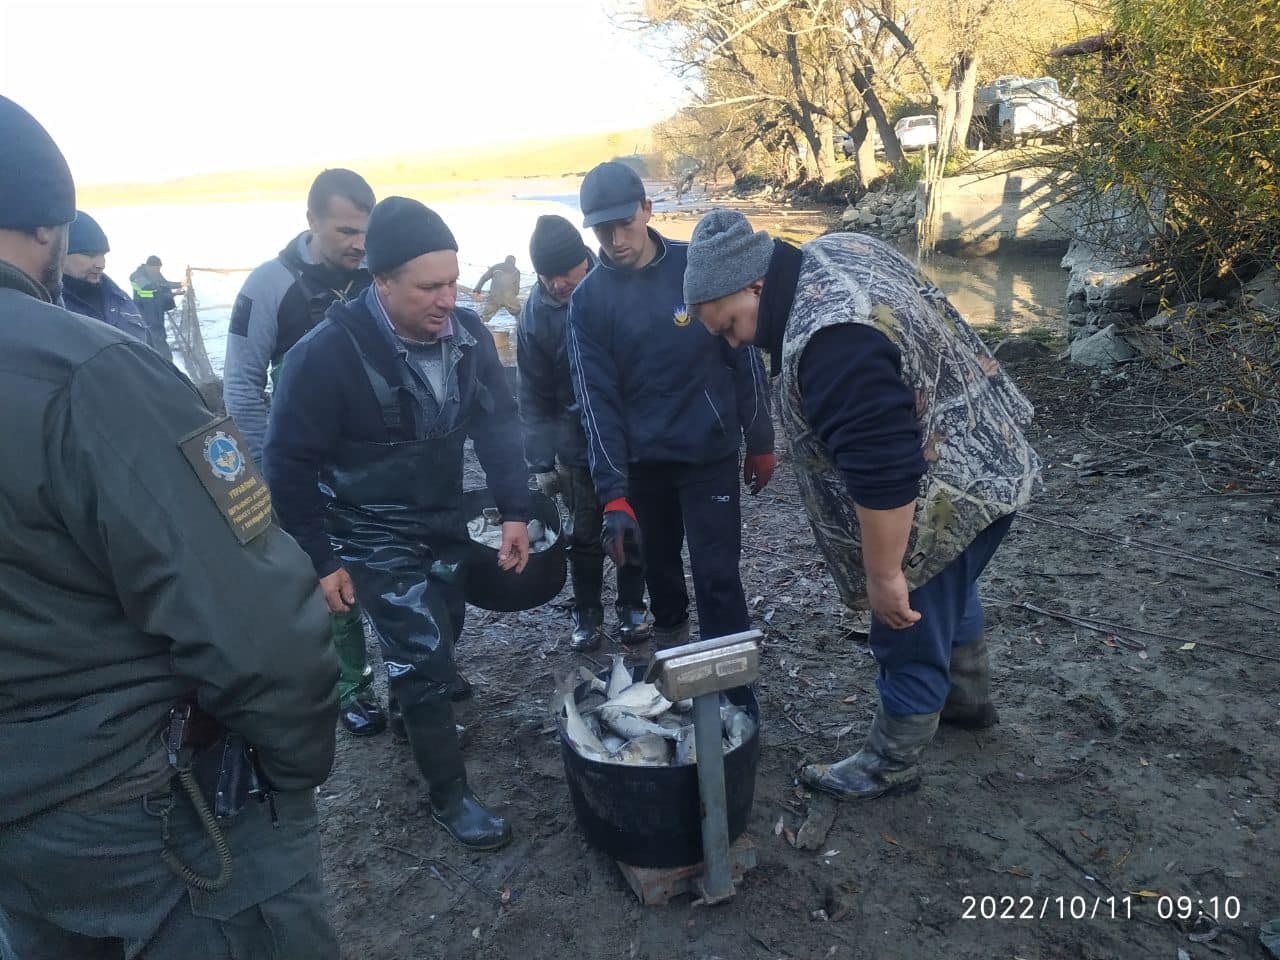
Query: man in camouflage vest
column 907, row 443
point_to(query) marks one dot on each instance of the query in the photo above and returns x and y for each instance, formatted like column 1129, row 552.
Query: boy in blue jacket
column 665, row 406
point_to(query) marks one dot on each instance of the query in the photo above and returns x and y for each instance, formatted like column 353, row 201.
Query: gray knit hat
column 724, row 257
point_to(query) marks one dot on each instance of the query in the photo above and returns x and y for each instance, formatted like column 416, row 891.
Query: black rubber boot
column 677, row 636
column 434, row 739
column 588, row 629
column 969, row 703
column 395, row 722
column 460, row 689
column 887, row 764
column 363, row 717
column 634, row 627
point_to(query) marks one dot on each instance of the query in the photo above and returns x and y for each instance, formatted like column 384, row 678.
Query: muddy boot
column 677, row 636
column 588, row 629
column 969, row 704
column 434, row 739
column 886, row 764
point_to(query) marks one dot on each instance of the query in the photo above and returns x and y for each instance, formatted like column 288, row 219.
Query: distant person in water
column 153, row 295
column 86, row 289
column 505, row 292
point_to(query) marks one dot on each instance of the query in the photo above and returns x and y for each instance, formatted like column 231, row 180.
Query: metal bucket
column 651, row 816
column 489, row 587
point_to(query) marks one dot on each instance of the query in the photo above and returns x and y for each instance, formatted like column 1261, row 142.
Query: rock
column 1263, row 291
column 1015, row 349
column 812, row 834
column 866, row 218
column 849, row 216
column 1104, row 349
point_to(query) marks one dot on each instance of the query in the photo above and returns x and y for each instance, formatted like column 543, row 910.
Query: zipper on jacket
column 711, row 403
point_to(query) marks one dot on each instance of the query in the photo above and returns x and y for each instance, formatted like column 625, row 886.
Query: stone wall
column 980, row 213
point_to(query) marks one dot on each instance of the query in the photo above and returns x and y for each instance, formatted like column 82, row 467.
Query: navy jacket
column 324, row 398
column 549, row 411
column 104, row 301
column 652, row 383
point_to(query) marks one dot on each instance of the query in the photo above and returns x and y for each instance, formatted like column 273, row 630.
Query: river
column 222, row 241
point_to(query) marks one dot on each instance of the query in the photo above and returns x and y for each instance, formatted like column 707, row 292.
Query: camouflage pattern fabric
column 981, row 467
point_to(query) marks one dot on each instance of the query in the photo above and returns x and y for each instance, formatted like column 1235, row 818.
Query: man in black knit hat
column 364, row 459
column 555, row 446
column 137, row 592
column 87, row 289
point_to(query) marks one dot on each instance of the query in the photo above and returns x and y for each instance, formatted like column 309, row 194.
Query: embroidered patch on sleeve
column 216, row 454
column 240, row 316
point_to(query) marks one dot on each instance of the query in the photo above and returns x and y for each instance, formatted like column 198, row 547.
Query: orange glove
column 757, row 470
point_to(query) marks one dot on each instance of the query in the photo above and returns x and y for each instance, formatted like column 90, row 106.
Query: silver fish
column 592, row 681
column 648, row 750
column 584, row 741
column 686, row 747
column 738, row 725
column 627, row 724
column 640, row 699
column 612, row 742
column 620, row 678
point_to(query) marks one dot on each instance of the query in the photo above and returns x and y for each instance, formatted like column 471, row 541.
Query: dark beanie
column 36, row 189
column 556, row 246
column 401, row 229
column 85, row 236
column 724, row 256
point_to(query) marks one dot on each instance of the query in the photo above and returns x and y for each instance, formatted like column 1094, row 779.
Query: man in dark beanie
column 666, row 409
column 907, row 443
column 364, row 458
column 279, row 303
column 137, row 593
column 87, row 289
column 154, row 297
column 555, row 446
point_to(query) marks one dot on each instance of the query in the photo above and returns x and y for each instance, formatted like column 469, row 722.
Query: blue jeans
column 915, row 663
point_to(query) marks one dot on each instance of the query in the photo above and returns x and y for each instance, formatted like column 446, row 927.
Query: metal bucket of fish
column 649, row 815
column 488, row 586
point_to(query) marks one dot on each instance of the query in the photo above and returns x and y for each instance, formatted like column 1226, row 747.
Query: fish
column 640, row 699
column 627, row 724
column 686, row 746
column 581, row 737
column 612, row 742
column 592, row 681
column 537, row 531
column 738, row 725
column 648, row 750
column 682, row 706
column 619, row 678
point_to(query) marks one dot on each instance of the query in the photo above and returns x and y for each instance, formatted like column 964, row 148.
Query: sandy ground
column 1135, row 760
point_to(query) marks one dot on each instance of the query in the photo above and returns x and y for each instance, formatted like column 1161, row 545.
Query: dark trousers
column 699, row 501
column 915, row 663
column 92, row 886
column 582, row 544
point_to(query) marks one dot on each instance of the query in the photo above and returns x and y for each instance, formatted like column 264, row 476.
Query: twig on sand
column 488, row 894
column 1070, row 860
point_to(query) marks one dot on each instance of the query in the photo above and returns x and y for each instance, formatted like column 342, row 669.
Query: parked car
column 1014, row 109
column 916, row 133
column 845, row 144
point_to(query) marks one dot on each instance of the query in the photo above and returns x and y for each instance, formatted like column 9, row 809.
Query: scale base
column 658, row 886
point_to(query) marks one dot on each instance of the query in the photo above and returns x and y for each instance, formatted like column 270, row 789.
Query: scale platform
column 658, row 886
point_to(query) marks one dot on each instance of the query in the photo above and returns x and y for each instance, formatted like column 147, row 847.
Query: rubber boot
column 362, row 716
column 588, row 629
column 887, row 764
column 969, row 703
column 395, row 720
column 634, row 626
column 677, row 636
column 460, row 688
column 434, row 740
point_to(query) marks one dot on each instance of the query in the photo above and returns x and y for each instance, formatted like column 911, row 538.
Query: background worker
column 505, row 292
column 555, row 446
column 666, row 408
column 280, row 302
column 86, row 288
column 907, row 443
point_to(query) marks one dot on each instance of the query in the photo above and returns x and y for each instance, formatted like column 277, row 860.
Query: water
column 1009, row 293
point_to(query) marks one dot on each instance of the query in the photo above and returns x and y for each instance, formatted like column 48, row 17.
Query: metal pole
column 717, row 881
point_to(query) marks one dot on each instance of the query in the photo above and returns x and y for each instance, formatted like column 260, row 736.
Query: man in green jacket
column 140, row 571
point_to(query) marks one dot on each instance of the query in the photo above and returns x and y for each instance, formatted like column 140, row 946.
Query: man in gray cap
column 666, row 409
column 87, row 289
column 555, row 446
column 373, row 408
column 160, row 636
column 906, row 440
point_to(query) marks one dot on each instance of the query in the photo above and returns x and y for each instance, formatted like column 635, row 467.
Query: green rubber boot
column 969, row 703
column 887, row 764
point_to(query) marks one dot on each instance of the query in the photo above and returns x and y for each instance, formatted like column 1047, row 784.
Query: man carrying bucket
column 373, row 409
column 906, row 440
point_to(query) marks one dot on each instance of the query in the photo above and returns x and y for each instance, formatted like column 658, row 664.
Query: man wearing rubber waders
column 907, row 443
column 166, row 679
column 364, row 457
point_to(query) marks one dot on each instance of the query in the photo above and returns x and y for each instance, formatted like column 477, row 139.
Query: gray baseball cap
column 611, row 191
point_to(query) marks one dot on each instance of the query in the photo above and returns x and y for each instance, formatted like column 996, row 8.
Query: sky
column 157, row 89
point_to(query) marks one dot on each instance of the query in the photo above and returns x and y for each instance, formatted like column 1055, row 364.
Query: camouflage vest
column 981, row 467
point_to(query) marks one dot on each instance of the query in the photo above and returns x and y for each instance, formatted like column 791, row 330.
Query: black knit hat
column 36, row 189
column 85, row 236
column 556, row 246
column 401, row 229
